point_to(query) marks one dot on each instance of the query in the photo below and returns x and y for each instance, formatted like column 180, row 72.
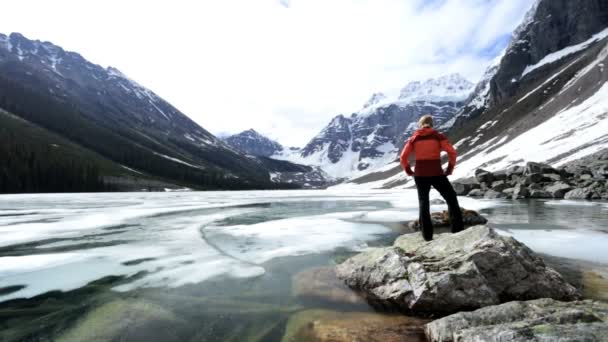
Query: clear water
column 221, row 264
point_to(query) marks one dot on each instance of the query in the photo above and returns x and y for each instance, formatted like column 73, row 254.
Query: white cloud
column 283, row 67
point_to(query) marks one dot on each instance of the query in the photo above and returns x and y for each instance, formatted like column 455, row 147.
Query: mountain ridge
column 105, row 111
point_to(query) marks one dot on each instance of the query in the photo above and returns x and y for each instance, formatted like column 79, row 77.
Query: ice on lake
column 64, row 241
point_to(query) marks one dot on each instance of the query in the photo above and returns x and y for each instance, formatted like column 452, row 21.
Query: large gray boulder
column 536, row 320
column 532, row 167
column 583, row 193
column 493, row 194
column 484, row 176
column 471, row 269
column 520, row 191
column 558, row 190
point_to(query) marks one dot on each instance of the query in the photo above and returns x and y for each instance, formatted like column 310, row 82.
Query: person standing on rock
column 426, row 144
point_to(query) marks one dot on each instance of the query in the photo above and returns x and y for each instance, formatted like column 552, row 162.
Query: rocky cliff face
column 548, row 27
column 543, row 99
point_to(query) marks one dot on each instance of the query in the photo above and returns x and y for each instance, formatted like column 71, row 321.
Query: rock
column 461, row 189
column 126, row 320
column 321, row 283
column 595, row 286
column 508, row 192
column 500, row 175
column 533, row 178
column 539, row 194
column 535, row 320
column 579, row 194
column 437, row 201
column 499, row 186
column 442, row 219
column 472, row 218
column 326, row 326
column 564, row 173
column 520, row 192
column 491, row 194
column 476, row 193
column 532, row 167
column 535, row 186
column 585, row 177
column 471, row 269
column 515, row 170
column 551, row 177
column 484, row 176
column 558, row 190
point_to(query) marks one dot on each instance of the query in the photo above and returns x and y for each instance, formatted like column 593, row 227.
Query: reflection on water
column 224, row 265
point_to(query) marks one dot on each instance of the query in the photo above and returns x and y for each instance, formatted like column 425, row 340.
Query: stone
column 499, row 186
column 500, row 175
column 539, row 194
column 325, row 326
column 125, row 320
column 533, row 178
column 461, row 189
column 437, row 201
column 508, row 192
column 492, row 194
column 558, row 190
column 535, row 320
column 532, row 167
column 484, row 176
column 584, row 193
column 585, row 176
column 442, row 219
column 520, row 192
column 470, row 269
column 551, row 177
column 476, row 193
column 515, row 170
column 321, row 283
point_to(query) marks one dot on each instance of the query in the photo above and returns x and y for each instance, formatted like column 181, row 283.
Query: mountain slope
column 106, row 112
column 253, row 143
column 354, row 145
column 545, row 99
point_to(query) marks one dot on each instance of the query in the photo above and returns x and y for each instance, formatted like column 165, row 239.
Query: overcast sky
column 282, row 67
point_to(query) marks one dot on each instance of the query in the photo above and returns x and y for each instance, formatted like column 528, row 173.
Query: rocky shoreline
column 577, row 181
column 479, row 284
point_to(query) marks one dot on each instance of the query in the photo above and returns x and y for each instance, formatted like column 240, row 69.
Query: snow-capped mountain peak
column 369, row 139
column 375, row 99
column 452, row 87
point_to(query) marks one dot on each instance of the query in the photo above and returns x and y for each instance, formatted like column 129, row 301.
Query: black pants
column 441, row 184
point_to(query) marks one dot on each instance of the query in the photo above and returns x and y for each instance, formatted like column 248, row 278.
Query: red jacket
column 427, row 144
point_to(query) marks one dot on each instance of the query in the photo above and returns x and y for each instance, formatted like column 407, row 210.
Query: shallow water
column 219, row 265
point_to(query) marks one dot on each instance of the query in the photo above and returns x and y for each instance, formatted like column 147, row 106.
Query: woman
column 427, row 144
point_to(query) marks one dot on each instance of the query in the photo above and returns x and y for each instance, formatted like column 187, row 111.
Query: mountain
column 281, row 171
column 253, row 143
column 545, row 99
column 104, row 111
column 353, row 145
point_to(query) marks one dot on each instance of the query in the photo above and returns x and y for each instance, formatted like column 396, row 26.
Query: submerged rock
column 442, row 219
column 326, row 326
column 321, row 283
column 126, row 320
column 536, row 320
column 463, row 271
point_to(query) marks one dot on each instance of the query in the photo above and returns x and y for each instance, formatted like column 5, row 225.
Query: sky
column 281, row 67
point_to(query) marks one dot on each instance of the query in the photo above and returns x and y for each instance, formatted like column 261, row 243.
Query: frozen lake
column 225, row 244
